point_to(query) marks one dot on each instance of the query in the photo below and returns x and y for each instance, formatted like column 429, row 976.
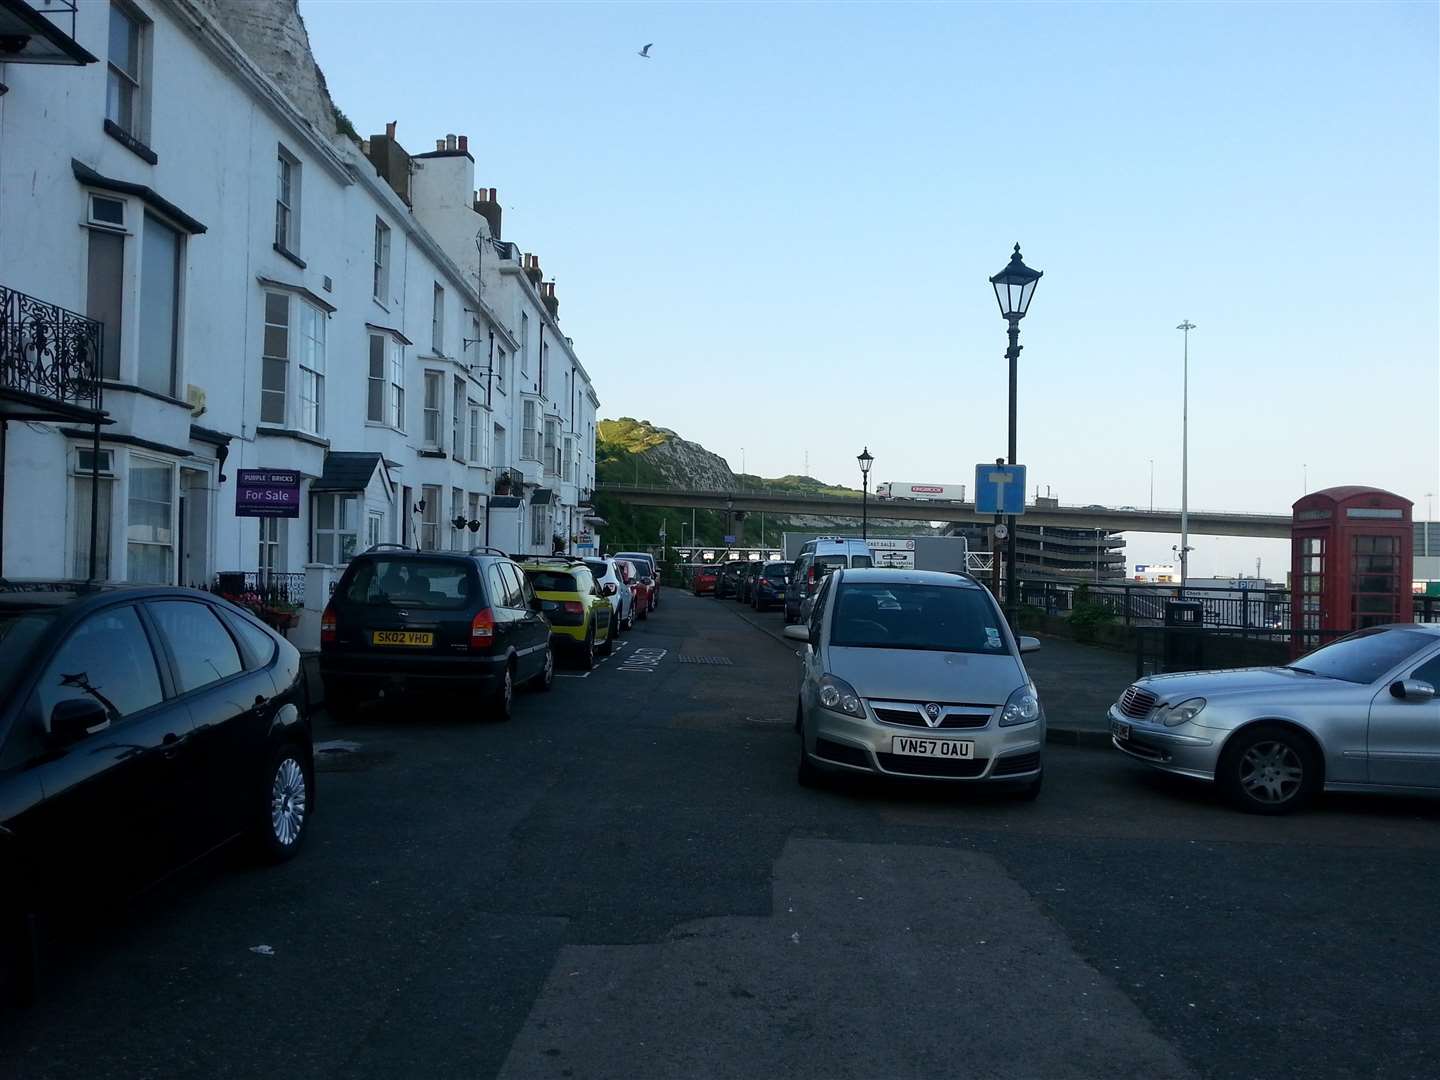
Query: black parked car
column 401, row 620
column 727, row 581
column 767, row 586
column 140, row 727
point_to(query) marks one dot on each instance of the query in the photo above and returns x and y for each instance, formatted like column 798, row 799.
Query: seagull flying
column 645, row 52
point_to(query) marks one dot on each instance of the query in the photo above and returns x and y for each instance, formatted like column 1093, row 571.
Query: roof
column 884, row 576
column 503, row 502
column 1350, row 491
column 346, row 471
column 541, row 495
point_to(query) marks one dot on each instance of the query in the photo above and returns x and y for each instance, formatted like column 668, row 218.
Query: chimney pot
column 390, row 129
column 439, row 144
column 449, row 142
column 465, row 143
column 492, row 195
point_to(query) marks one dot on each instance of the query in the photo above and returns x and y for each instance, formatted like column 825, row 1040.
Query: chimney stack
column 390, row 161
column 488, row 207
column 390, row 129
column 547, row 297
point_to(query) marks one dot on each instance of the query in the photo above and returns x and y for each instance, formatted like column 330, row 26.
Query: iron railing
column 268, row 587
column 1163, row 649
column 1145, row 604
column 49, row 352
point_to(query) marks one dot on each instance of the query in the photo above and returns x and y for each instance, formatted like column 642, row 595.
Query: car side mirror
column 610, row 588
column 1412, row 690
column 1029, row 644
column 74, row 718
column 797, row 633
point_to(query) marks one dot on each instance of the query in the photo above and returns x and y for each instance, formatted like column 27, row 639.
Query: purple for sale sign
column 267, row 493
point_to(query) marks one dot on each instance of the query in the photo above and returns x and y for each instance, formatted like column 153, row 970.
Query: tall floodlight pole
column 1186, row 326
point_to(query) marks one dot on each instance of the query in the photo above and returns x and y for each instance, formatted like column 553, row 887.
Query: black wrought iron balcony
column 50, row 360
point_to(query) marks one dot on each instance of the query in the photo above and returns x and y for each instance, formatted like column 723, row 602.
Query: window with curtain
column 150, row 522
column 275, row 358
column 81, row 536
column 104, row 294
column 376, row 384
column 434, row 407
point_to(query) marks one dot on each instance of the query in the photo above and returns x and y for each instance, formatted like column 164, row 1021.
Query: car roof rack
column 486, row 549
column 388, row 547
column 571, row 560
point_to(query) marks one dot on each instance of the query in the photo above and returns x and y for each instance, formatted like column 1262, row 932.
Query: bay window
column 150, row 529
column 473, row 408
column 457, row 420
column 336, row 525
column 160, row 272
column 530, row 431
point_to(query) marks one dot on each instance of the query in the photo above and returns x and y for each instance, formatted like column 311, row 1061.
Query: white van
column 817, row 560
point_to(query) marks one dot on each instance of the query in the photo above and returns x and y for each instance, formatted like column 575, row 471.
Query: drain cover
column 718, row 661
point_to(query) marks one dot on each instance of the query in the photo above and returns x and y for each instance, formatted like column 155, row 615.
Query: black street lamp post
column 1014, row 286
column 866, row 459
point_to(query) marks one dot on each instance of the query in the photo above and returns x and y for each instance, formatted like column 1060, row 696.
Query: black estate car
column 140, row 727
column 401, row 619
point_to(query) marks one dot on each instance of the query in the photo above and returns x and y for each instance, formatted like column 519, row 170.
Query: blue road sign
column 729, row 539
column 1000, row 489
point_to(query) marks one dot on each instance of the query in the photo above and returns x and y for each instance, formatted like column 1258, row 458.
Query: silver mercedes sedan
column 1359, row 714
column 915, row 674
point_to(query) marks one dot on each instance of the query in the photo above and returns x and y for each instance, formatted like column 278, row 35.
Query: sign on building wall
column 895, row 554
column 267, row 493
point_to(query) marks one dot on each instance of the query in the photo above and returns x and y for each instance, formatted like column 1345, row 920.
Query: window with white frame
column 530, row 430
column 437, row 321
column 287, row 201
column 150, row 522
column 104, row 504
column 457, row 420
column 569, row 474
column 126, row 95
column 312, row 369
column 160, row 272
column 374, row 528
column 457, row 512
column 552, row 446
column 273, row 561
column 381, row 289
column 376, row 383
column 434, row 410
column 475, row 507
column 498, row 457
column 397, row 384
column 430, row 517
column 275, row 358
column 336, row 527
column 502, row 361
column 105, row 277
column 540, row 524
column 476, row 442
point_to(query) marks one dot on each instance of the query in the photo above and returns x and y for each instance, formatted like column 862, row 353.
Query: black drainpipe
column 4, row 428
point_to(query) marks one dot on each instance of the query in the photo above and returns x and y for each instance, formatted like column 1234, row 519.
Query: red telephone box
column 1351, row 552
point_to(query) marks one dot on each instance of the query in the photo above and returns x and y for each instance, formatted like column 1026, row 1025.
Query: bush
column 1086, row 616
column 1031, row 616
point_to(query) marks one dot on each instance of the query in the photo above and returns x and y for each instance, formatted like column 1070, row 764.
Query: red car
column 639, row 586
column 704, row 580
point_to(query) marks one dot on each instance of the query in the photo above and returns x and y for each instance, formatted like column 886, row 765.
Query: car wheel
column 1269, row 770
column 546, row 678
column 19, row 958
column 289, row 796
column 806, row 774
column 502, row 698
column 587, row 652
column 609, row 646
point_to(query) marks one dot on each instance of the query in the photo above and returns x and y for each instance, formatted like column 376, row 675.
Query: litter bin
column 1184, row 635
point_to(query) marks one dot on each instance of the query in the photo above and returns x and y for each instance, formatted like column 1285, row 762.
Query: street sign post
column 1000, row 489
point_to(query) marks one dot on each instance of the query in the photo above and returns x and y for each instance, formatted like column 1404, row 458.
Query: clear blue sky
column 776, row 233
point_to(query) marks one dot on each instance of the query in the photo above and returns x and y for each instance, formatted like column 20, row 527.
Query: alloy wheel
column 289, row 801
column 1271, row 772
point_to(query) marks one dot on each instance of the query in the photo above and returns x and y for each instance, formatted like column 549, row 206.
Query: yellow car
column 582, row 618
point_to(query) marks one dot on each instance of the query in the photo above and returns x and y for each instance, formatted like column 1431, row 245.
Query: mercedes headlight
column 1183, row 713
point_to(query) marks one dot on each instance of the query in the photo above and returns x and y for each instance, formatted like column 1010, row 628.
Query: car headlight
column 839, row 696
column 1022, row 708
column 1183, row 713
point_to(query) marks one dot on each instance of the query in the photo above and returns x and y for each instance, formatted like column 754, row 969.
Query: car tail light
column 574, row 607
column 482, row 629
column 328, row 635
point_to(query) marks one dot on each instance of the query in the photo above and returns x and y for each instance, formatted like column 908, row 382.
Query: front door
column 1404, row 737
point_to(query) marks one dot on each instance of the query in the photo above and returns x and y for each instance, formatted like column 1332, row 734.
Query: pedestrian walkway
column 1078, row 683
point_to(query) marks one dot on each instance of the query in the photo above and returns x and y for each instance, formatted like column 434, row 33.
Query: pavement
column 625, row 881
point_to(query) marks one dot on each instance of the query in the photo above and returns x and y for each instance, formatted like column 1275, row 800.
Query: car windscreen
column 941, row 618
column 552, row 581
column 19, row 631
column 435, row 584
column 777, row 571
column 1365, row 656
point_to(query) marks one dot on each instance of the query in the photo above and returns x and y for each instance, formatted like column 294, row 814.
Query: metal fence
column 48, row 351
column 1161, row 649
column 270, row 588
column 1140, row 605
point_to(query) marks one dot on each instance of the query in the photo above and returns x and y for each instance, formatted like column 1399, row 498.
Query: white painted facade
column 231, row 353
